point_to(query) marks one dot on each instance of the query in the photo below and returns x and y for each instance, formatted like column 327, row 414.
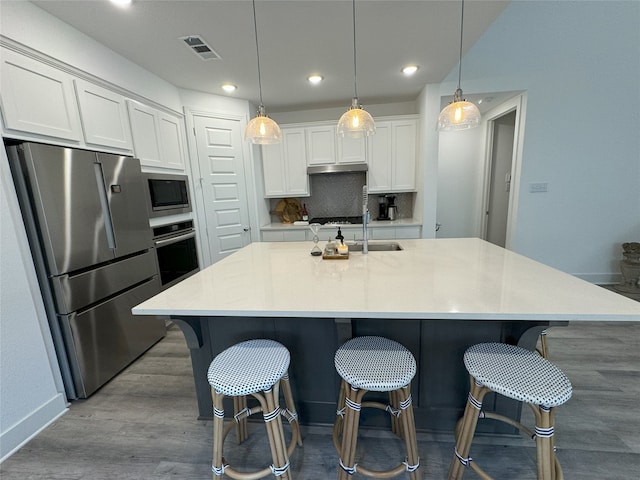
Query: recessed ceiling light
column 121, row 3
column 229, row 87
column 315, row 79
column 410, row 69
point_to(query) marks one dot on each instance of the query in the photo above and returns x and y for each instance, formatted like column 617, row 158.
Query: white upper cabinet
column 324, row 147
column 352, row 150
column 171, row 141
column 321, row 145
column 104, row 116
column 38, row 98
column 284, row 165
column 157, row 137
column 392, row 156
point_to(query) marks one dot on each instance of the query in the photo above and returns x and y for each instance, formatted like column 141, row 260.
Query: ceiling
column 296, row 38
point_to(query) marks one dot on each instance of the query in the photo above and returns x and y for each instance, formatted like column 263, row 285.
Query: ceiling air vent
column 198, row 46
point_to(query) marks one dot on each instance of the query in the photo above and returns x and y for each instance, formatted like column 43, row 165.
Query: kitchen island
column 436, row 297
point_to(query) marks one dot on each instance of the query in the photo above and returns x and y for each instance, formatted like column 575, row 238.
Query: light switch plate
column 540, row 187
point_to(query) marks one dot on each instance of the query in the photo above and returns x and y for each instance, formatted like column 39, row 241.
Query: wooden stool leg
column 469, row 422
column 407, row 422
column 291, row 406
column 339, row 421
column 545, row 443
column 218, row 432
column 273, row 423
column 353, row 401
column 394, row 403
column 239, row 409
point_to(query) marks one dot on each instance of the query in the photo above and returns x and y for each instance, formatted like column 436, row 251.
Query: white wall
column 582, row 125
column 459, row 186
column 31, row 392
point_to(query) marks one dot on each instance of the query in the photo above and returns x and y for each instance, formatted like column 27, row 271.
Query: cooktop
column 337, row 220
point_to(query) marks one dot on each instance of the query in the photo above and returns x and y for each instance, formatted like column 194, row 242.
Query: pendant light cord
column 461, row 29
column 355, row 83
column 255, row 30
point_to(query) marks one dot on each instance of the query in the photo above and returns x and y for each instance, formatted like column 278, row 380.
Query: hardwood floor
column 142, row 424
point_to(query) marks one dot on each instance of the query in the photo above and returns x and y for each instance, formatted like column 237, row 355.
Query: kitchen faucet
column 365, row 219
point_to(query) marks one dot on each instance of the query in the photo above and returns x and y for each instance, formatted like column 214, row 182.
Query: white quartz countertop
column 430, row 279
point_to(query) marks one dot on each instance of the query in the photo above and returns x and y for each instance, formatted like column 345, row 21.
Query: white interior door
column 222, row 181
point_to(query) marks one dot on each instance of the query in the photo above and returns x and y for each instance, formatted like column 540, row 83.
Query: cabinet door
column 38, row 98
column 379, row 172
column 171, row 144
column 273, row 172
column 352, row 150
column 297, row 180
column 321, row 145
column 144, row 129
column 403, row 175
column 104, row 116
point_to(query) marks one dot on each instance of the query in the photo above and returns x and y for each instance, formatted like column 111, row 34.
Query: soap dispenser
column 341, row 247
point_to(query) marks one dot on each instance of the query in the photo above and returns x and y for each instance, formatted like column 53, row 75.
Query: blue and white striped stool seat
column 517, row 373
column 375, row 364
column 248, row 367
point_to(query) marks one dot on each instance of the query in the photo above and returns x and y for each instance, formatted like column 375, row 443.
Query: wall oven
column 167, row 194
column 175, row 245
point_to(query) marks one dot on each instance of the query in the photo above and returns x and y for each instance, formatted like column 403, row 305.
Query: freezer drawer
column 106, row 338
column 73, row 292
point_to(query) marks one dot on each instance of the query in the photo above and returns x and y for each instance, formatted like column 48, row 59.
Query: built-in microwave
column 167, row 194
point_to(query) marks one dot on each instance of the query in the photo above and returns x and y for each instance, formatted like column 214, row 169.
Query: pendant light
column 459, row 114
column 261, row 129
column 355, row 122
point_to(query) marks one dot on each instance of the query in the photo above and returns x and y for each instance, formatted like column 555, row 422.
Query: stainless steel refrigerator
column 88, row 228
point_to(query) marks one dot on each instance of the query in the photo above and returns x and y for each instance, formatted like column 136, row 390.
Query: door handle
column 246, row 229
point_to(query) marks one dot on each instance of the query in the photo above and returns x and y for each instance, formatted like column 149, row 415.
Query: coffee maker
column 392, row 210
column 386, row 207
column 383, row 212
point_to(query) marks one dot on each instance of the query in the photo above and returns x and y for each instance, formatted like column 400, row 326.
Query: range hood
column 337, row 168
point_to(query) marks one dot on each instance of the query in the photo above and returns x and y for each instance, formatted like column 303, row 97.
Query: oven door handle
column 179, row 238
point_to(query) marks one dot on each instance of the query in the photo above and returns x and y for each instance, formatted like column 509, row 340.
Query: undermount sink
column 376, row 247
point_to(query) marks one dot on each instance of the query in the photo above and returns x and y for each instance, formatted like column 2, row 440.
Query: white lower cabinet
column 349, row 233
column 283, row 235
column 411, row 232
column 157, row 137
column 104, row 116
column 38, row 98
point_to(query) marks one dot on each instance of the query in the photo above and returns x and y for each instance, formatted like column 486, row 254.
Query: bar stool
column 258, row 368
column 380, row 365
column 519, row 374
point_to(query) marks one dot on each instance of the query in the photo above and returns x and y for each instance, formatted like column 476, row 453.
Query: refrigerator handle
column 104, row 201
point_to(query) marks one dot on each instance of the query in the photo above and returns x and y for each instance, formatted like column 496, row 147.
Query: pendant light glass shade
column 459, row 114
column 261, row 130
column 356, row 122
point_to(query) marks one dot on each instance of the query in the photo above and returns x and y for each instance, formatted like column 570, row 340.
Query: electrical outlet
column 540, row 187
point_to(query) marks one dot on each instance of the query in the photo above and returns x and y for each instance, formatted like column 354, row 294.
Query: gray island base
column 439, row 390
column 435, row 296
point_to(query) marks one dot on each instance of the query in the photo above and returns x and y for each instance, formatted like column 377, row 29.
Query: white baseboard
column 27, row 428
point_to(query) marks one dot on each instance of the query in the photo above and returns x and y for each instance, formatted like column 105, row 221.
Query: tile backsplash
column 340, row 194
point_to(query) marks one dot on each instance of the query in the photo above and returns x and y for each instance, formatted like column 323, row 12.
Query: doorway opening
column 503, row 151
